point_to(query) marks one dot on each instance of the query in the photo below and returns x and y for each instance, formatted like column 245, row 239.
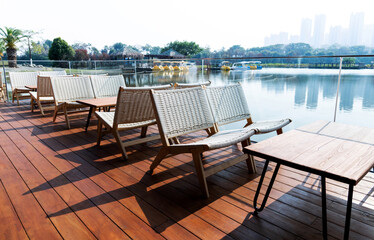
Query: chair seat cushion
column 46, row 99
column 222, row 139
column 269, row 126
column 35, row 96
column 23, row 94
column 22, row 89
column 108, row 117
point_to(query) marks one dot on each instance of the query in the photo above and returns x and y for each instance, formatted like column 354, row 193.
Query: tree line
column 59, row 49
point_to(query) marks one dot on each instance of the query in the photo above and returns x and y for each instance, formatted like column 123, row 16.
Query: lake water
column 304, row 95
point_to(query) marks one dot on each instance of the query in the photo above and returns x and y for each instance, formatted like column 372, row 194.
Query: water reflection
column 302, row 95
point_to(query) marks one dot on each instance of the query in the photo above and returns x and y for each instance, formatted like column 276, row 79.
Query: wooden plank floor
column 55, row 183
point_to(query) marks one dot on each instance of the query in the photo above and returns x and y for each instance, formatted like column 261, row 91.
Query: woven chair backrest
column 44, row 86
column 22, row 79
column 228, row 103
column 134, row 104
column 191, row 85
column 67, row 89
column 106, row 86
column 52, row 73
column 182, row 111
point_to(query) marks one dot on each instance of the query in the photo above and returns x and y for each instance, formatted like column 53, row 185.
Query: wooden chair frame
column 201, row 110
column 43, row 94
column 2, row 94
column 18, row 81
column 133, row 110
column 66, row 91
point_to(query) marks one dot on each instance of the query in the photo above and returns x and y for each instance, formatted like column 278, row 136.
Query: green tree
column 60, row 50
column 185, row 48
column 10, row 37
column 236, row 51
column 297, row 49
column 349, row 61
column 150, row 49
column 117, row 48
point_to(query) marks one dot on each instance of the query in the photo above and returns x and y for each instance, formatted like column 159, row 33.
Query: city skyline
column 215, row 24
column 315, row 33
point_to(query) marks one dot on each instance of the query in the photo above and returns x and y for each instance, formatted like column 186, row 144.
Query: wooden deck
column 55, row 183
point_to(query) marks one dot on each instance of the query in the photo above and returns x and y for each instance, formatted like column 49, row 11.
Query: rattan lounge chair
column 182, row 111
column 229, row 105
column 106, row 86
column 18, row 81
column 67, row 90
column 191, row 85
column 133, row 110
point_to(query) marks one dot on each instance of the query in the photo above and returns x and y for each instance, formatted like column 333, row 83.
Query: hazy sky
column 209, row 23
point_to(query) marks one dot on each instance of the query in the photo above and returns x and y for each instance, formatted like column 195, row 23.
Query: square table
column 94, row 103
column 337, row 151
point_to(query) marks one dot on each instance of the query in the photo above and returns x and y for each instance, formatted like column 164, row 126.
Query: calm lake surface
column 304, row 95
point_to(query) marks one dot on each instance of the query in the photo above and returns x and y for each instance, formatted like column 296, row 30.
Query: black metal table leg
column 348, row 213
column 88, row 118
column 269, row 187
column 324, row 209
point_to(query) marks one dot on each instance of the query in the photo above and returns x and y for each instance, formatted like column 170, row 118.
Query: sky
column 209, row 23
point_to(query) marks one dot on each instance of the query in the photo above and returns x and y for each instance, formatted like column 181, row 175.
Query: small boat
column 246, row 65
column 177, row 66
column 225, row 66
column 255, row 65
column 167, row 66
column 157, row 66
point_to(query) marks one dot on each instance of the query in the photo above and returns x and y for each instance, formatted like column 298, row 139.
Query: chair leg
column 250, row 160
column 144, row 131
column 200, row 173
column 66, row 116
column 55, row 113
column 40, row 107
column 279, row 131
column 17, row 97
column 32, row 104
column 120, row 143
column 160, row 155
column 99, row 132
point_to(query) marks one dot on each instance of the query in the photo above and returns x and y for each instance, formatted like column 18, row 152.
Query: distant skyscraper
column 368, row 35
column 306, row 30
column 294, row 39
column 319, row 30
column 335, row 35
column 283, row 38
column 356, row 27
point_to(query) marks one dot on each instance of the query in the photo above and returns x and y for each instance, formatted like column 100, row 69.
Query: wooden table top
column 31, row 87
column 99, row 102
column 338, row 151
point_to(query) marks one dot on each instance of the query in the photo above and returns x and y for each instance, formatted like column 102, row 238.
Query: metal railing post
column 70, row 67
column 337, row 89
